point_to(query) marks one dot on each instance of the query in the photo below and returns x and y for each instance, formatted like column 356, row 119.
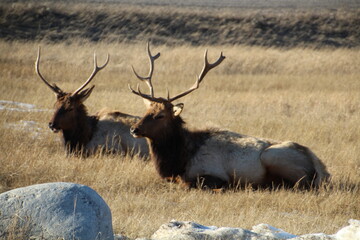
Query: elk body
column 220, row 158
column 84, row 134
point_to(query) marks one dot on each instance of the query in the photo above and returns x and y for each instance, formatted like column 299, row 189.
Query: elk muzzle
column 53, row 127
column 135, row 132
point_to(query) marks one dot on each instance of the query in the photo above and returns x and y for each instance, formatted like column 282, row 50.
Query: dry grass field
column 305, row 90
column 305, row 95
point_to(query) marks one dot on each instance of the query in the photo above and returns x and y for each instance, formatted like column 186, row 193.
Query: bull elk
column 219, row 158
column 82, row 134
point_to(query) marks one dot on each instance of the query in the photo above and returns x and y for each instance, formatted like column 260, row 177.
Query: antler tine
column 194, row 87
column 147, row 79
column 207, row 67
column 54, row 88
column 139, row 93
column 95, row 71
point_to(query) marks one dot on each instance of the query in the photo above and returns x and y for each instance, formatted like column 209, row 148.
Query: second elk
column 84, row 134
column 219, row 158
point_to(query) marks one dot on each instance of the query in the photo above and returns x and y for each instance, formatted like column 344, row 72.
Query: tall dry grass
column 308, row 96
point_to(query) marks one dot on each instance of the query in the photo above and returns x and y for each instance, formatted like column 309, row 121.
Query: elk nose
column 53, row 127
column 134, row 130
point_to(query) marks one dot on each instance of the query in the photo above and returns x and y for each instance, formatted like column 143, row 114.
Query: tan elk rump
column 219, row 158
column 83, row 134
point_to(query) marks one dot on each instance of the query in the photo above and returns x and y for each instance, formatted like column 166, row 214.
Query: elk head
column 162, row 115
column 68, row 105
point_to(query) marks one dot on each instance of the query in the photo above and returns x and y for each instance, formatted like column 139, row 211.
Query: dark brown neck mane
column 75, row 139
column 174, row 147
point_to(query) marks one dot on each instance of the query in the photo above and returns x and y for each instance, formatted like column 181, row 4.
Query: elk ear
column 83, row 95
column 177, row 109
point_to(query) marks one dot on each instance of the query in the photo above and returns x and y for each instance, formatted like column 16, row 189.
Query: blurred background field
column 297, row 88
column 59, row 21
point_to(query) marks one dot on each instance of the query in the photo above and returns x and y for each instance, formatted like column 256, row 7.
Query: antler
column 139, row 93
column 207, row 67
column 96, row 70
column 53, row 87
column 151, row 71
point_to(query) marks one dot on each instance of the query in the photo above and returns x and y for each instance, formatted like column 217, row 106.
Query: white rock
column 315, row 236
column 270, row 231
column 177, row 230
column 350, row 232
column 19, row 107
column 55, row 211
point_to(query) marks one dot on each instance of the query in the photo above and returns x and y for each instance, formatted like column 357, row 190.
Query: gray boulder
column 55, row 211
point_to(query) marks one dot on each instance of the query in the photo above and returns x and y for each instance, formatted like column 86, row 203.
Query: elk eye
column 159, row 116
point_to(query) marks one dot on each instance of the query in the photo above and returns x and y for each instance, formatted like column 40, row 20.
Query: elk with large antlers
column 219, row 158
column 107, row 131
